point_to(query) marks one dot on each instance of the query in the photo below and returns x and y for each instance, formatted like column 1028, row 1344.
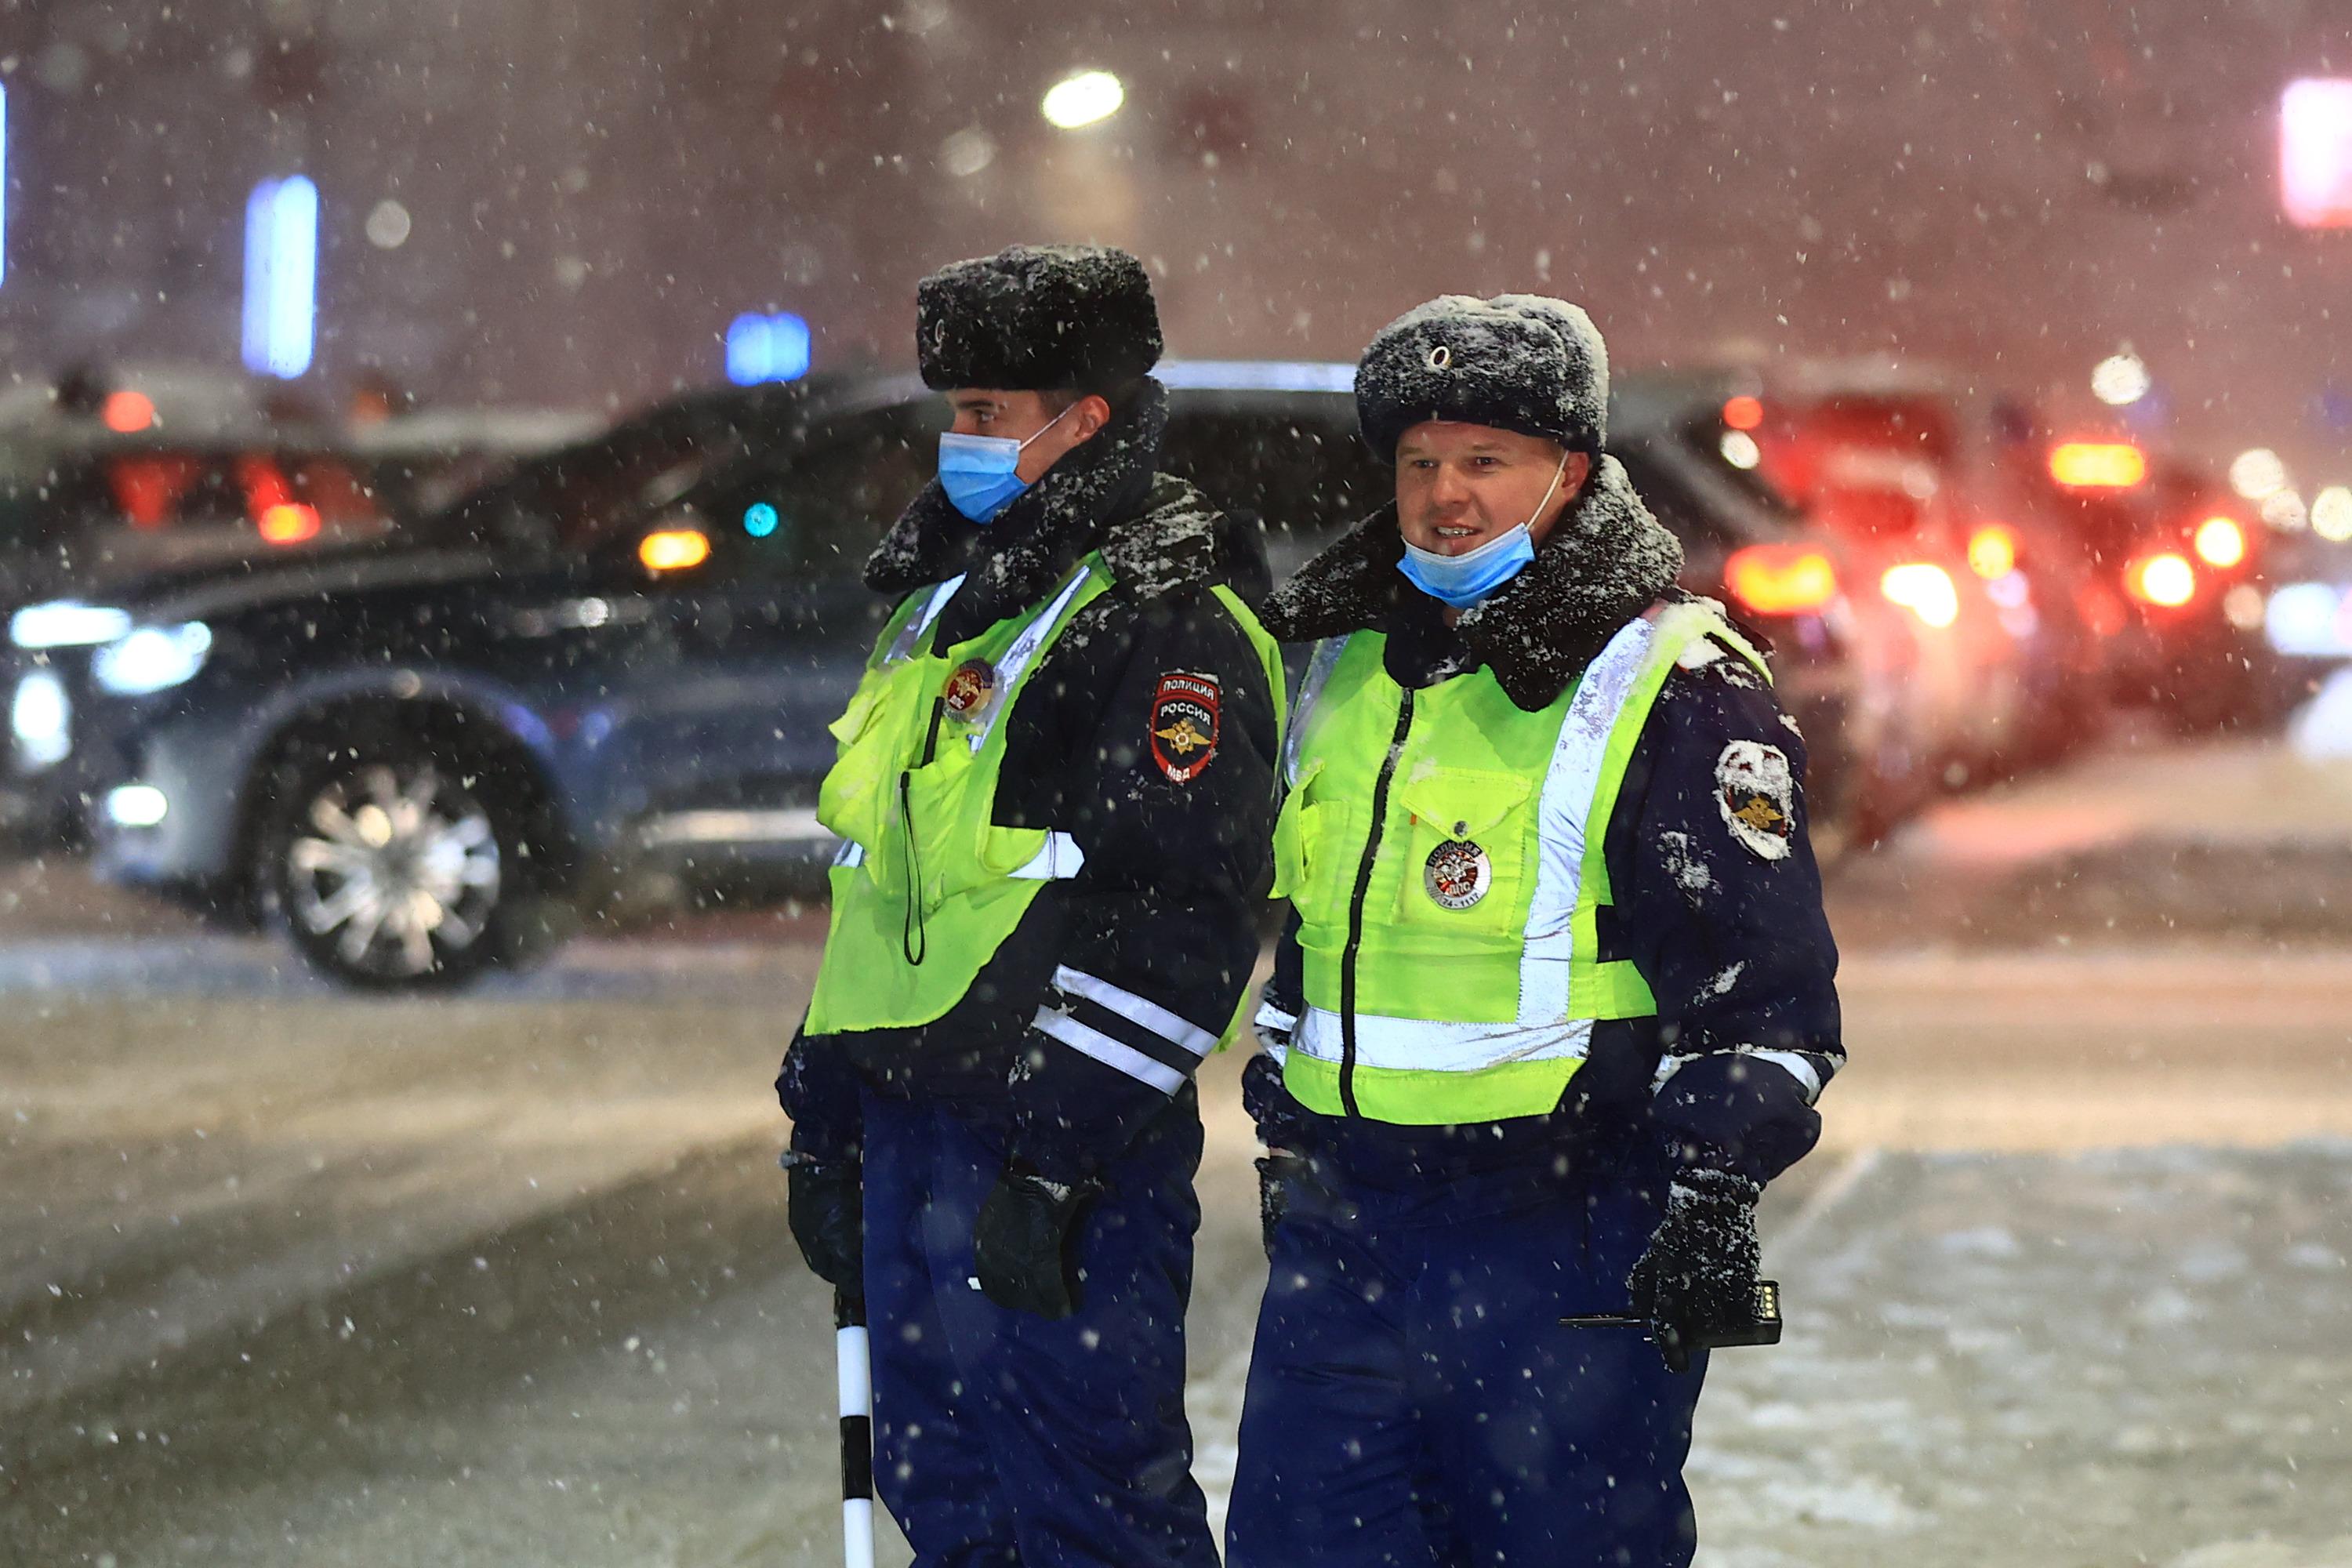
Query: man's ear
column 1091, row 414
column 1572, row 477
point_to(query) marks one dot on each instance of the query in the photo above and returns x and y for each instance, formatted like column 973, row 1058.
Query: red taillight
column 2166, row 580
column 1992, row 551
column 289, row 522
column 127, row 412
column 2220, row 542
column 1780, row 579
column 1925, row 589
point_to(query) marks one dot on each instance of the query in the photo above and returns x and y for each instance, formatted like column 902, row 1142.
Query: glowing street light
column 2331, row 514
column 2315, row 153
column 1088, row 97
column 281, row 276
column 2120, row 379
column 2283, row 510
column 2257, row 473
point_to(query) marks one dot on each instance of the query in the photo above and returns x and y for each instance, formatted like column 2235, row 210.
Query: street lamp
column 1085, row 99
column 281, row 276
column 2120, row 379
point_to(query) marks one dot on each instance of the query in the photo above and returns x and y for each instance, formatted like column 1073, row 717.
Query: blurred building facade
column 566, row 201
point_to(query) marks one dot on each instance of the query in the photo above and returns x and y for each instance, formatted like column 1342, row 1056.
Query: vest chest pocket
column 857, row 799
column 1465, row 838
column 1305, row 850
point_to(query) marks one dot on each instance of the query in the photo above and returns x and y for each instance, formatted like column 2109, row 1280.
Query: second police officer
column 1557, row 995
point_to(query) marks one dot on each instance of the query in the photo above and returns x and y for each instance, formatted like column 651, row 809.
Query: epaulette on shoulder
column 1172, row 545
column 1711, row 661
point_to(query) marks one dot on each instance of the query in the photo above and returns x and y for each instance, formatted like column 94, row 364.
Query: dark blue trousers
column 1003, row 1438
column 1414, row 1402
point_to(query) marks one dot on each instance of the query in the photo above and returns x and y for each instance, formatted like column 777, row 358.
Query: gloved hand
column 1021, row 1245
column 1699, row 1273
column 1276, row 1173
column 824, row 1202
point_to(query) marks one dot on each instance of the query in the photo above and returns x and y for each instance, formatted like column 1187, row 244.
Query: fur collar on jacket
column 1157, row 534
column 1606, row 560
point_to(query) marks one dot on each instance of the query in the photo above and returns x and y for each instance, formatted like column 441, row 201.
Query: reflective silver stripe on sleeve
column 1059, row 860
column 851, row 853
column 1271, row 1017
column 1108, row 1051
column 1135, row 1009
column 1799, row 1066
column 1796, row 1064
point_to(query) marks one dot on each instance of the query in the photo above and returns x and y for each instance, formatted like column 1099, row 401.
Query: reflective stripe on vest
column 1464, row 1051
column 1059, row 860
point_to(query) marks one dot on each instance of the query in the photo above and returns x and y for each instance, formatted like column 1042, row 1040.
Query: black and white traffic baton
column 854, row 1371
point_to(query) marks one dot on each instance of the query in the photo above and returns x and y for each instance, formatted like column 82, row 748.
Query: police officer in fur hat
column 1055, row 786
column 1556, row 996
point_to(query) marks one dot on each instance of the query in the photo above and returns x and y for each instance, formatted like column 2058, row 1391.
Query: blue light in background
column 281, row 276
column 760, row 520
column 767, row 348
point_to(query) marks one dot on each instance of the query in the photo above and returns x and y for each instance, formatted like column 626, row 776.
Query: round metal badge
column 969, row 688
column 1457, row 874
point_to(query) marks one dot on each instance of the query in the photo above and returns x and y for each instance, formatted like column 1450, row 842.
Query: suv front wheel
column 390, row 867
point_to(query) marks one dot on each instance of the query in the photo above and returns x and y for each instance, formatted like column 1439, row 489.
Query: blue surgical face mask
column 1462, row 581
column 978, row 472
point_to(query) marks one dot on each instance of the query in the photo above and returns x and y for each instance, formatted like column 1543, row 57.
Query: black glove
column 1699, row 1273
column 1276, row 1173
column 1021, row 1243
column 825, row 1201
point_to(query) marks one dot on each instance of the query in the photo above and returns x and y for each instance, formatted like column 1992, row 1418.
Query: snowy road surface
column 292, row 1278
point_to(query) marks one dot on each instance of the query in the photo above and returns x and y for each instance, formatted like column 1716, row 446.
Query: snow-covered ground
column 294, row 1280
column 2117, row 1357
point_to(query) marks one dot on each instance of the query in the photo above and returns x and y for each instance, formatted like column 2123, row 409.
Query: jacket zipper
column 1356, row 908
column 912, row 939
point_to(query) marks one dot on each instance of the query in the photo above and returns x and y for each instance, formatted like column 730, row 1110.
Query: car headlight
column 67, row 623
column 153, row 658
column 41, row 716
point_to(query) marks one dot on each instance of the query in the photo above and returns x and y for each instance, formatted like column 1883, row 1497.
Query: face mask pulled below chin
column 979, row 472
column 1463, row 580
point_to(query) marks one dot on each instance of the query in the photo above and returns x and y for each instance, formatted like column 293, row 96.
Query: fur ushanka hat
column 1037, row 318
column 1517, row 362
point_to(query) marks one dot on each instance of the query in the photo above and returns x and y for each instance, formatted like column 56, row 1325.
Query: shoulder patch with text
column 1757, row 794
column 1184, row 724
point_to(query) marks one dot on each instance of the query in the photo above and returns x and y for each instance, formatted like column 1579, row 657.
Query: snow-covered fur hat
column 1517, row 362
column 1037, row 318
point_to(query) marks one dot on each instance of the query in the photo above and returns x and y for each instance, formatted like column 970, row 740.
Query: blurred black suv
column 620, row 660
